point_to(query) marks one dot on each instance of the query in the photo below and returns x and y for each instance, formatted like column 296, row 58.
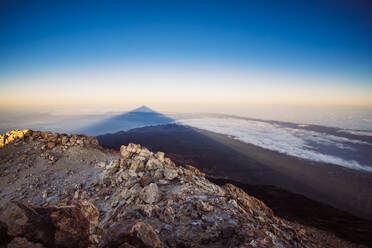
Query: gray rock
column 137, row 165
column 163, row 182
column 131, row 181
column 153, row 164
column 160, row 156
column 145, row 153
column 132, row 192
column 158, row 174
column 170, row 174
column 101, row 164
column 167, row 215
column 151, row 193
column 76, row 195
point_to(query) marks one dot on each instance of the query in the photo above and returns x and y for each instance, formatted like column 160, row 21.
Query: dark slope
column 217, row 157
column 300, row 209
column 187, row 146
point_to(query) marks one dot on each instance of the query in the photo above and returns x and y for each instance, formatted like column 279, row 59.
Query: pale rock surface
column 151, row 193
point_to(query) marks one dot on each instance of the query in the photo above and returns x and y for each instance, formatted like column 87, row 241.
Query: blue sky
column 331, row 40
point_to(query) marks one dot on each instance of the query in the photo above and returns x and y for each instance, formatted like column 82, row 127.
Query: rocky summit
column 62, row 190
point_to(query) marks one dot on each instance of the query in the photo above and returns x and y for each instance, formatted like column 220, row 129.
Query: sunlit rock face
column 12, row 136
column 60, row 190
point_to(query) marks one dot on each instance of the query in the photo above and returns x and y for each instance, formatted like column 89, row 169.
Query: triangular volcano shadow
column 139, row 117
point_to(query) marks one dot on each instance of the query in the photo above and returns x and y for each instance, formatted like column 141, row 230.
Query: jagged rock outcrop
column 49, row 139
column 135, row 198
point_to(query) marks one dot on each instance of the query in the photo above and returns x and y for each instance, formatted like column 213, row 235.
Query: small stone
column 131, row 181
column 52, row 137
column 167, row 215
column 153, row 164
column 160, row 156
column 132, row 173
column 158, row 174
column 114, row 203
column 132, row 192
column 163, row 182
column 64, row 140
column 125, row 194
column 35, row 134
column 137, row 165
column 203, row 206
column 133, row 148
column 101, row 164
column 76, row 195
column 145, row 181
column 151, row 193
column 170, row 174
column 145, row 153
column 52, row 198
column 169, row 162
column 147, row 210
column 51, row 145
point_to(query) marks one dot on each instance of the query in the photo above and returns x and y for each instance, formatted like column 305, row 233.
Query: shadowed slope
column 300, row 209
column 222, row 157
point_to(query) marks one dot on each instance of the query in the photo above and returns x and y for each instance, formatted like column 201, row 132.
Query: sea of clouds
column 292, row 141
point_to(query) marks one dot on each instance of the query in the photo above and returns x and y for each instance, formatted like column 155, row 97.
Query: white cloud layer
column 295, row 142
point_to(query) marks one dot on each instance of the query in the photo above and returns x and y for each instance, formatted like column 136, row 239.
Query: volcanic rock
column 63, row 224
column 170, row 174
column 151, row 193
column 23, row 243
column 131, row 234
column 132, row 198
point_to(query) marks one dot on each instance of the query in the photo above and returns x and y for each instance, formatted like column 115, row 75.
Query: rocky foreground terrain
column 60, row 190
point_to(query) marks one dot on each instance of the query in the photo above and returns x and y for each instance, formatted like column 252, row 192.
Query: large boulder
column 63, row 224
column 131, row 234
column 23, row 243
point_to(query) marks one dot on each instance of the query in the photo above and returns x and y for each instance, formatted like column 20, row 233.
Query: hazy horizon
column 64, row 119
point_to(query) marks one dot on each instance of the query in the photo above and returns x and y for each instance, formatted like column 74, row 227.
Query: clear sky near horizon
column 184, row 55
